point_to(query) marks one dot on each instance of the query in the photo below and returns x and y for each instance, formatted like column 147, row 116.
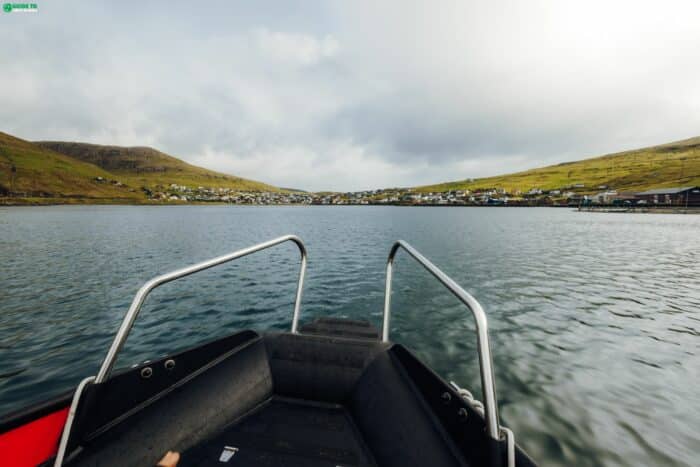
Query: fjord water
column 594, row 318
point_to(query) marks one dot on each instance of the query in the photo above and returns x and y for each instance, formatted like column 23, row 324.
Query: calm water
column 595, row 318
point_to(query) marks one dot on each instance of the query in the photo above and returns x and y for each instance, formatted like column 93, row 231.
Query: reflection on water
column 595, row 321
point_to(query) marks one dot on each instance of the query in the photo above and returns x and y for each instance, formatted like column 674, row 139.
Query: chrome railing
column 485, row 364
column 147, row 288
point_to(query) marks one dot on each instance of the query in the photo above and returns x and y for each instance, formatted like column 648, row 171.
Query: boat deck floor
column 290, row 433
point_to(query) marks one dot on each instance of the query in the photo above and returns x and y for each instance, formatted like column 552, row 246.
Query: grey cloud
column 325, row 95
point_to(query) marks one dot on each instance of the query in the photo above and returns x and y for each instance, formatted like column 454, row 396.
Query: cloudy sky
column 353, row 95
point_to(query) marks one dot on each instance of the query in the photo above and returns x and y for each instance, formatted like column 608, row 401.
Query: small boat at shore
column 334, row 392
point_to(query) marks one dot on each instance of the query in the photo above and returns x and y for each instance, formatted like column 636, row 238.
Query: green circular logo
column 7, row 7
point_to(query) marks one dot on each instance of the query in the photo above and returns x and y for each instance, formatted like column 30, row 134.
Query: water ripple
column 594, row 318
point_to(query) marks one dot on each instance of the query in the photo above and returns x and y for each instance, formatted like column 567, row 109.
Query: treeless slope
column 146, row 166
column 27, row 170
column 667, row 165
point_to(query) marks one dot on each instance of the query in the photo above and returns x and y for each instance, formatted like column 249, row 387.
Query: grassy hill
column 144, row 166
column 667, row 165
column 29, row 171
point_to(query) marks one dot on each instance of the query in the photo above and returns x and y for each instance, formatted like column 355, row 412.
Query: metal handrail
column 485, row 364
column 140, row 297
column 65, row 434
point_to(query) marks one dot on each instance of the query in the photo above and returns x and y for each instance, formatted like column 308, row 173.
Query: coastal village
column 573, row 196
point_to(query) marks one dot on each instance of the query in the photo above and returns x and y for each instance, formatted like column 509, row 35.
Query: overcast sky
column 353, row 95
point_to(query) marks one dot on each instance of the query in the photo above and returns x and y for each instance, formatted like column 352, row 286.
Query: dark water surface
column 595, row 318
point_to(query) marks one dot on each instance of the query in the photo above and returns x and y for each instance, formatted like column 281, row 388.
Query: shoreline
column 43, row 202
column 641, row 210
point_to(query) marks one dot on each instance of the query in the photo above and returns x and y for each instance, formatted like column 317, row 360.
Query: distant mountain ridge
column 688, row 142
column 67, row 172
column 672, row 164
column 114, row 158
column 30, row 171
column 150, row 167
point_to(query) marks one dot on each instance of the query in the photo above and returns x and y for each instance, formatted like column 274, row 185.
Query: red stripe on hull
column 33, row 443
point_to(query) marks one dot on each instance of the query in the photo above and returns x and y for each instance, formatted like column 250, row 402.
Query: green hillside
column 29, row 171
column 668, row 165
column 144, row 166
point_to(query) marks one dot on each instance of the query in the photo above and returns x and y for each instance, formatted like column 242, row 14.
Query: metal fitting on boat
column 169, row 364
column 146, row 372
